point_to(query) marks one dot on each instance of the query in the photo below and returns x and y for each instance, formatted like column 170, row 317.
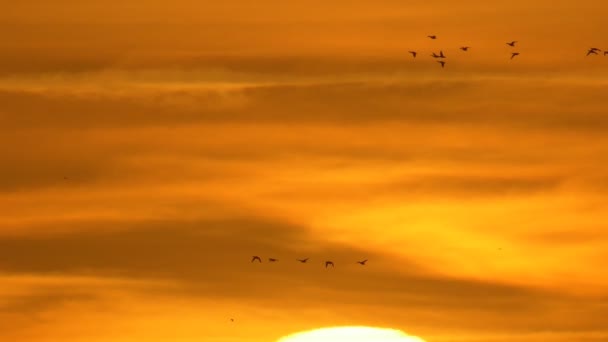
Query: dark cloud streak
column 212, row 258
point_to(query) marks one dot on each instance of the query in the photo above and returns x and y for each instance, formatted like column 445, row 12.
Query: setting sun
column 351, row 334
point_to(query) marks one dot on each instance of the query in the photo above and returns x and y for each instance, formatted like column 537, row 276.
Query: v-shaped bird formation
column 512, row 44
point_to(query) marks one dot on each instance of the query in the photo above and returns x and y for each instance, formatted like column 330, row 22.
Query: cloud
column 480, row 103
column 211, row 259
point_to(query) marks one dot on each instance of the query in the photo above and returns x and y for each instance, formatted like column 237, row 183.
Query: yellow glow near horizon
column 351, row 334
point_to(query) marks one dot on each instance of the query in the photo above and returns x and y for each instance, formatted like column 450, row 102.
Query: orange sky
column 149, row 148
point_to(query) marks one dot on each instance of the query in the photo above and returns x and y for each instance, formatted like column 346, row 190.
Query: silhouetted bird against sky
column 255, row 257
column 465, row 48
column 414, row 53
column 273, row 259
column 303, row 260
column 432, row 37
column 362, row 262
column 442, row 63
column 514, row 54
column 232, row 320
column 512, row 43
column 592, row 52
column 441, row 55
column 329, row 263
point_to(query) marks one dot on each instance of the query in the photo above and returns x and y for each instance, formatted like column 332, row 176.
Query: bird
column 362, row 262
column 273, row 259
column 442, row 63
column 255, row 257
column 514, row 54
column 512, row 43
column 329, row 263
column 465, row 48
column 232, row 320
column 441, row 55
column 432, row 37
column 593, row 51
column 414, row 53
column 303, row 260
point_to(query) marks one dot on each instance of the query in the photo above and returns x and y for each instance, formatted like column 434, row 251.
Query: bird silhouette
column 255, row 257
column 514, row 54
column 592, row 51
column 414, row 53
column 465, row 48
column 432, row 37
column 303, row 260
column 442, row 63
column 512, row 43
column 329, row 263
column 273, row 259
column 362, row 262
column 441, row 55
column 232, row 320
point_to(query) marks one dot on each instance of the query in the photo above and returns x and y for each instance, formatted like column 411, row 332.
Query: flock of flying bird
column 327, row 262
column 591, row 51
column 441, row 56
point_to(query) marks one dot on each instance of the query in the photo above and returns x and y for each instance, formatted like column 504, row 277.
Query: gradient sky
column 149, row 148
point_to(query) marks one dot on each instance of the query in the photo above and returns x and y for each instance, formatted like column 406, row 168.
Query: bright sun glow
column 351, row 334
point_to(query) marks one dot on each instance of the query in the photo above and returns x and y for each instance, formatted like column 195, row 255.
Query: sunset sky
column 149, row 148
